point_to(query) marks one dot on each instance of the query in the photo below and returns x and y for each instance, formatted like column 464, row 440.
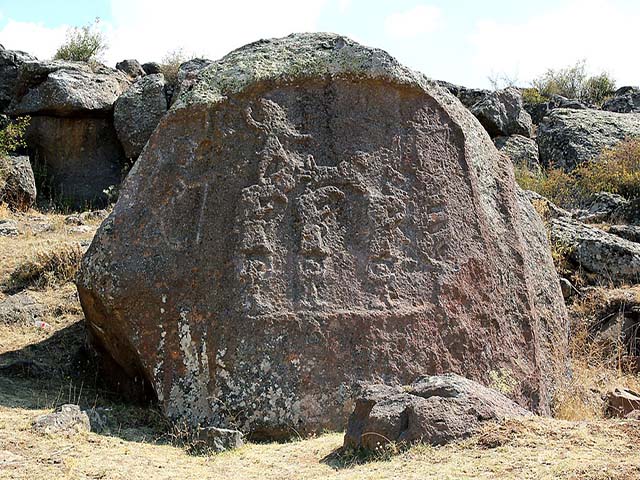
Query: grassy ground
column 140, row 445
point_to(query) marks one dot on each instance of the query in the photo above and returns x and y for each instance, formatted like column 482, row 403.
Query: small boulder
column 151, row 68
column 218, row 439
column 566, row 287
column 502, row 113
column 601, row 207
column 17, row 183
column 131, row 67
column 568, row 137
column 138, row 111
column 521, row 150
column 67, row 419
column 20, row 309
column 433, row 410
column 604, row 254
column 8, row 228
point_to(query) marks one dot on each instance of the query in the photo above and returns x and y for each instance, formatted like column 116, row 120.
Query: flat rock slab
column 434, row 410
column 309, row 214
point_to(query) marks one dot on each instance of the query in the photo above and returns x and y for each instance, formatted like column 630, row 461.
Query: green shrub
column 573, row 82
column 12, row 135
column 531, row 96
column 83, row 44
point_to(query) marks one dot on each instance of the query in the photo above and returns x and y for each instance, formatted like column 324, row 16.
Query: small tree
column 83, row 44
column 12, row 135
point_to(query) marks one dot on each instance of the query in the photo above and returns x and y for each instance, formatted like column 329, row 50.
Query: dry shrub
column 596, row 367
column 616, row 170
column 48, row 268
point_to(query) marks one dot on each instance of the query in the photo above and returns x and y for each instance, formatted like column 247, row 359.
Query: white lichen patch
column 189, row 394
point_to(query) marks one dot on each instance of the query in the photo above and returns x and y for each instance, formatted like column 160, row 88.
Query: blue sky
column 463, row 41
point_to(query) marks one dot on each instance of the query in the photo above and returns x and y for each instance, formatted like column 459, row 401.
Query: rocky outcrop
column 10, row 61
column 80, row 157
column 138, row 111
column 628, row 232
column 568, row 137
column 17, row 183
column 20, row 309
column 602, row 207
column 612, row 258
column 308, row 215
column 624, row 100
column 434, row 410
column 502, row 113
column 131, row 67
column 521, row 150
column 151, row 68
column 71, row 139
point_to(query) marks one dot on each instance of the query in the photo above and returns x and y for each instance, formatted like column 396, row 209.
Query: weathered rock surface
column 620, row 402
column 521, row 150
column 137, row 113
column 502, row 113
column 67, row 419
column 61, row 88
column 569, row 137
column 188, row 75
column 625, row 100
column 602, row 207
column 17, row 183
column 131, row 67
column 628, row 232
column 308, row 215
column 81, row 157
column 10, row 61
column 609, row 256
column 434, row 410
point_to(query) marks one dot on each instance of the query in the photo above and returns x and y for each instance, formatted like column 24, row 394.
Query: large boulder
column 17, row 183
column 137, row 112
column 624, row 100
column 433, row 410
column 61, row 88
column 79, row 157
column 308, row 215
column 10, row 61
column 522, row 151
column 502, row 113
column 568, row 137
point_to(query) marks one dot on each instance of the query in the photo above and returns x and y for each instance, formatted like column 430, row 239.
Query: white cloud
column 33, row 38
column 600, row 31
column 416, row 21
column 145, row 30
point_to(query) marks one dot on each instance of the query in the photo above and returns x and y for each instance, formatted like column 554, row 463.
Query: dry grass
column 139, row 444
column 596, row 366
